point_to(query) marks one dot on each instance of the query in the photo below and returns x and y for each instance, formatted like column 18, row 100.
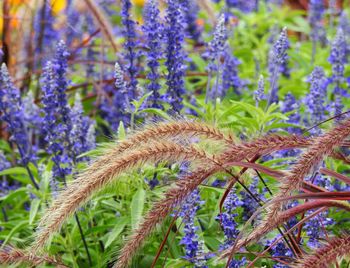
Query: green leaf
column 112, row 235
column 138, row 103
column 13, row 194
column 14, row 231
column 34, row 207
column 14, row 171
column 121, row 131
column 137, row 204
column 156, row 112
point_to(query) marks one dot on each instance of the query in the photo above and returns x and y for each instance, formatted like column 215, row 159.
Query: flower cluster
column 277, row 59
column 338, row 59
column 259, row 93
column 175, row 55
column 315, row 17
column 315, row 100
column 227, row 218
column 191, row 241
column 12, row 112
column 130, row 46
column 153, row 30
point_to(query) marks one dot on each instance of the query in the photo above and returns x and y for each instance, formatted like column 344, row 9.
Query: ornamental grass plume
column 132, row 152
column 326, row 254
column 10, row 255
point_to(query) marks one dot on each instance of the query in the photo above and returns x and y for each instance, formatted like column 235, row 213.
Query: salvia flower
column 55, row 128
column 279, row 251
column 315, row 229
column 44, row 28
column 4, row 163
column 217, row 45
column 130, row 46
column 230, row 74
column 315, row 99
column 338, row 59
column 190, row 10
column 32, row 114
column 290, row 104
column 12, row 112
column 277, row 57
column 80, row 129
column 193, row 246
column 338, row 109
column 245, row 6
column 115, row 104
column 315, row 17
column 153, row 32
column 175, row 55
column 227, row 218
column 259, row 93
column 249, row 204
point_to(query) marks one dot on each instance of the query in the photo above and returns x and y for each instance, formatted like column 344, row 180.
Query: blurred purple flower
column 338, row 59
column 277, row 62
column 315, row 99
column 259, row 93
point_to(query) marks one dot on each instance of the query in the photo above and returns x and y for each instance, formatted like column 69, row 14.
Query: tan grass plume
column 10, row 255
column 87, row 183
column 186, row 185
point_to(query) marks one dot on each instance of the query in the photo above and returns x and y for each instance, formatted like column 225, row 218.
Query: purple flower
column 175, row 55
column 227, row 218
column 193, row 246
column 230, row 76
column 116, row 108
column 4, row 163
column 249, row 205
column 55, row 128
column 45, row 33
column 217, row 45
column 214, row 52
column 130, row 46
column 259, row 93
column 243, row 5
column 291, row 105
column 314, row 229
column 338, row 59
column 190, row 10
column 315, row 100
column 153, row 32
column 277, row 59
column 315, row 17
column 238, row 263
column 82, row 133
column 279, row 250
column 12, row 113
